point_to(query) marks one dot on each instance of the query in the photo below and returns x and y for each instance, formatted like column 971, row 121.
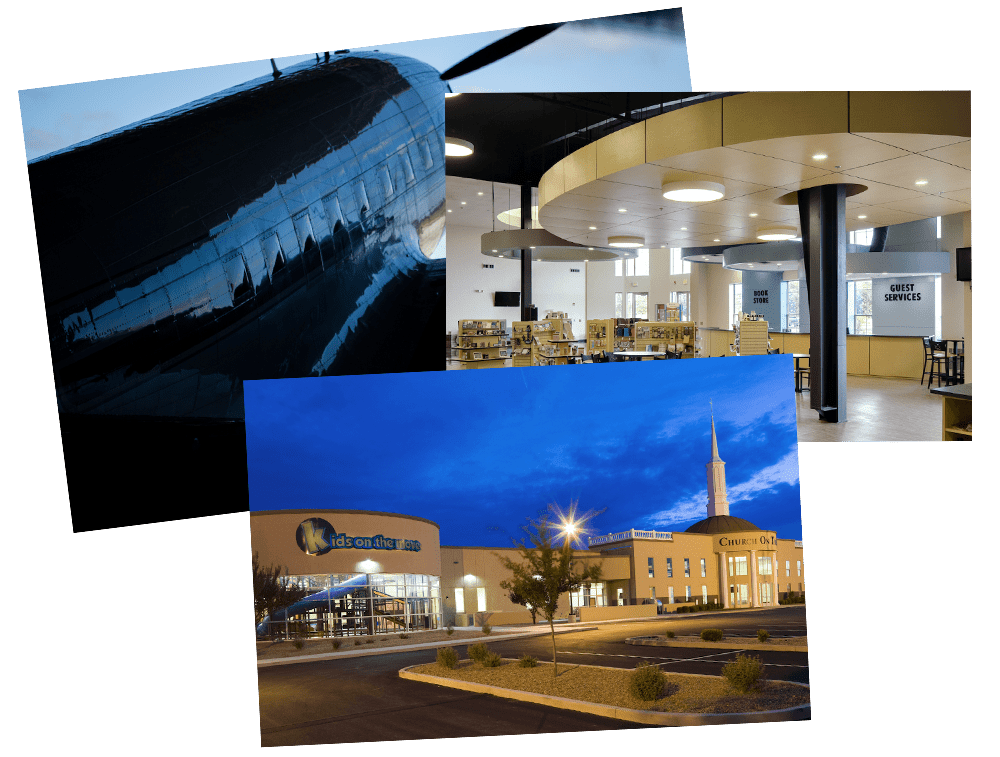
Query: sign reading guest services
column 317, row 537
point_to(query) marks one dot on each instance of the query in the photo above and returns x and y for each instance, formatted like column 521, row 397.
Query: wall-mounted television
column 963, row 263
column 507, row 299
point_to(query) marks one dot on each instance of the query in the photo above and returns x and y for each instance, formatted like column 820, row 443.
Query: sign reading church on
column 317, row 537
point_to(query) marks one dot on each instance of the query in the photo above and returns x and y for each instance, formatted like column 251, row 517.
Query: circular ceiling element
column 777, row 233
column 626, row 242
column 792, row 198
column 512, row 217
column 693, row 191
column 545, row 246
column 457, row 148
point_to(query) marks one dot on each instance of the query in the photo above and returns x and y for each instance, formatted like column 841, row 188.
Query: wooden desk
column 956, row 412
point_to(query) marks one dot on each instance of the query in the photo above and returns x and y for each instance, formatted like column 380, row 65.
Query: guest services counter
column 889, row 356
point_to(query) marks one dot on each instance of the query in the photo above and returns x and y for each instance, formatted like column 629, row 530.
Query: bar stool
column 800, row 374
column 935, row 353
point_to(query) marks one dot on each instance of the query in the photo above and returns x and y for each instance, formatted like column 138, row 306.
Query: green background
column 138, row 640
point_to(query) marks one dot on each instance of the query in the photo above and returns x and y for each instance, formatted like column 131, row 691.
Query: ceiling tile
column 843, row 150
column 958, row 154
column 904, row 172
column 742, row 166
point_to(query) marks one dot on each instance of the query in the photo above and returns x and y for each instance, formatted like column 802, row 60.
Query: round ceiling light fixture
column 777, row 233
column 457, row 148
column 693, row 191
column 629, row 242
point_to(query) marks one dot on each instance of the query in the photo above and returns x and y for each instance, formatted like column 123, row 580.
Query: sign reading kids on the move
column 317, row 537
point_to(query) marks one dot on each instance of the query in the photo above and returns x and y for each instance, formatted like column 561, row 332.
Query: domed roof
column 721, row 524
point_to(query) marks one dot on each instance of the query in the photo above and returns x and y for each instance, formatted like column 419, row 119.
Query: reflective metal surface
column 276, row 229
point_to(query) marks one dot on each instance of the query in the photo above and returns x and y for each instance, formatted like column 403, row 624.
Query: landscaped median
column 795, row 644
column 684, row 700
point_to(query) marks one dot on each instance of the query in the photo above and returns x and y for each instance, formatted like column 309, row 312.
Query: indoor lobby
column 839, row 233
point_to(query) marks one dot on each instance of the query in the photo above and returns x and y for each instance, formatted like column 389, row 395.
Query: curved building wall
column 298, row 541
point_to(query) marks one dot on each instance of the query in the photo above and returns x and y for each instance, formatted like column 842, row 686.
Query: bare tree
column 271, row 591
column 544, row 572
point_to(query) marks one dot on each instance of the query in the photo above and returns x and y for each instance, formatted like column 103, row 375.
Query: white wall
column 554, row 285
column 953, row 292
column 466, row 274
column 710, row 294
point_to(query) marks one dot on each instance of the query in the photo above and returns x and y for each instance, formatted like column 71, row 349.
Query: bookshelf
column 482, row 341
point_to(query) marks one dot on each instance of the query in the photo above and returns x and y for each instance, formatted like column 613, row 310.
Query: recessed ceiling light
column 590, row 248
column 585, row 260
column 776, row 233
column 449, row 210
column 862, row 217
column 494, row 250
column 630, row 242
column 592, row 228
column 715, row 240
column 457, row 148
column 820, row 156
column 684, row 228
column 501, row 256
column 463, row 203
column 479, row 193
column 920, row 182
column 753, row 215
column 623, row 210
column 693, row 191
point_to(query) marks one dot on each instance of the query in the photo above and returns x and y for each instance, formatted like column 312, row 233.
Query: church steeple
column 716, row 469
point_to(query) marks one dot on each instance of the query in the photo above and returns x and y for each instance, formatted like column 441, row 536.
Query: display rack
column 546, row 342
column 670, row 336
column 600, row 335
column 625, row 333
column 750, row 335
column 482, row 341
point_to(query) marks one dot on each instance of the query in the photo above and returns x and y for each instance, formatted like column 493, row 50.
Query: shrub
column 646, row 682
column 477, row 652
column 298, row 643
column 487, row 629
column 670, row 634
column 527, row 661
column 745, row 673
column 336, row 644
column 447, row 657
column 711, row 634
column 491, row 660
column 357, row 642
column 369, row 640
column 450, row 630
column 404, row 636
column 762, row 635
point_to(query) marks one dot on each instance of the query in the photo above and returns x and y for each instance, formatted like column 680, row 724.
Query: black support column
column 525, row 254
column 824, row 247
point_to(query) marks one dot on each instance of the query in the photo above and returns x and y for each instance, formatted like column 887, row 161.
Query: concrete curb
column 408, row 647
column 646, row 717
column 638, row 641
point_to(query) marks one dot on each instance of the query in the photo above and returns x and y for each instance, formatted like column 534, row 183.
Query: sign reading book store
column 316, row 536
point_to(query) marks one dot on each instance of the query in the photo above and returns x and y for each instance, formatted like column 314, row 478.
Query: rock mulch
column 276, row 650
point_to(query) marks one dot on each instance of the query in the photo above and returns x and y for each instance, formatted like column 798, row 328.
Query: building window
column 642, row 263
column 684, row 300
column 738, row 566
column 790, row 306
column 649, row 563
column 788, row 571
column 703, row 568
column 481, row 599
column 704, row 594
column 735, row 302
column 764, row 565
column 670, row 595
column 618, row 268
column 859, row 306
column 861, row 236
column 677, row 263
column 459, row 599
column 670, row 567
column 687, row 593
column 765, row 593
column 652, row 592
column 798, row 567
column 687, row 568
column 641, row 305
column 618, row 305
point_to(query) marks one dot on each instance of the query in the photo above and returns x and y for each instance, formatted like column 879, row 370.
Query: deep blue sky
column 480, row 451
column 582, row 56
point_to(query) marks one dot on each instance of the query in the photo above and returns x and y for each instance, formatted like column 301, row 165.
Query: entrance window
column 481, row 599
column 738, row 566
column 764, row 565
column 459, row 599
column 765, row 593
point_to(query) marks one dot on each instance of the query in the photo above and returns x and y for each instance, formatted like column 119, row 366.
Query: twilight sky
column 480, row 451
column 648, row 50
